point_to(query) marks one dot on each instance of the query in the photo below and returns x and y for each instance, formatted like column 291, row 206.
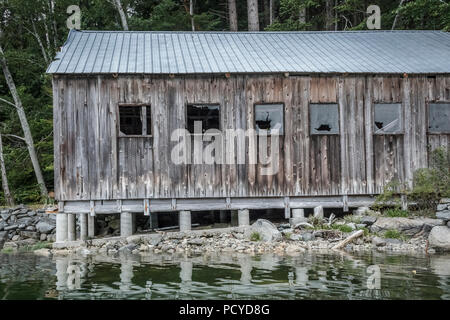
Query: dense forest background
column 31, row 32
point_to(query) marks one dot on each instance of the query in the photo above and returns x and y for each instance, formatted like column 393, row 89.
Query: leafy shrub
column 255, row 236
column 433, row 183
column 392, row 234
column 396, row 212
column 342, row 227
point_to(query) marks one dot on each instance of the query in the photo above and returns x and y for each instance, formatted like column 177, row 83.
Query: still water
column 234, row 276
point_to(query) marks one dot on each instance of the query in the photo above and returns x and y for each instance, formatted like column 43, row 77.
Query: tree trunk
column 55, row 28
column 302, row 15
column 24, row 122
column 41, row 45
column 232, row 15
column 9, row 199
column 329, row 15
column 270, row 11
column 122, row 15
column 253, row 17
column 191, row 13
column 396, row 16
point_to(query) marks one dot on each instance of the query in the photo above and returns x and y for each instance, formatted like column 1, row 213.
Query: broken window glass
column 269, row 118
column 207, row 114
column 324, row 118
column 132, row 121
column 388, row 118
column 439, row 118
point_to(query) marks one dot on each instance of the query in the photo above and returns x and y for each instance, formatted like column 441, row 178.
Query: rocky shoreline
column 366, row 231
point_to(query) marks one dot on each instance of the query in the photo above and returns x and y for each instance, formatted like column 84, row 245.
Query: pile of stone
column 439, row 238
column 21, row 223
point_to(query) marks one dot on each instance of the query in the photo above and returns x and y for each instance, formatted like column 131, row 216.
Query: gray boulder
column 308, row 237
column 404, row 225
column 439, row 238
column 3, row 238
column 45, row 226
column 266, row 229
column 5, row 216
column 444, row 215
column 378, row 242
column 11, row 227
column 368, row 220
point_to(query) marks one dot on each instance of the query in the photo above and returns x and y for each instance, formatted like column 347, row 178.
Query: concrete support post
column 91, row 226
column 298, row 215
column 234, row 218
column 83, row 226
column 71, row 227
column 185, row 221
column 243, row 218
column 318, row 212
column 61, row 227
column 126, row 224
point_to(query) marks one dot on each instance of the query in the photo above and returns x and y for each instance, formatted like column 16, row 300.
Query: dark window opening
column 207, row 114
column 324, row 119
column 269, row 118
column 388, row 118
column 439, row 118
column 135, row 120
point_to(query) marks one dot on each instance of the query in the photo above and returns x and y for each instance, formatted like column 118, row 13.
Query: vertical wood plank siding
column 92, row 162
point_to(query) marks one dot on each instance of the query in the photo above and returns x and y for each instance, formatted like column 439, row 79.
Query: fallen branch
column 349, row 239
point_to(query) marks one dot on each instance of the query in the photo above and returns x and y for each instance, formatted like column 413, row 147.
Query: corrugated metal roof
column 106, row 52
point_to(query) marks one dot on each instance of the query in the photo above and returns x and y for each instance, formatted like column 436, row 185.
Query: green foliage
column 433, row 183
column 255, row 236
column 389, row 197
column 396, row 212
column 393, row 234
column 342, row 227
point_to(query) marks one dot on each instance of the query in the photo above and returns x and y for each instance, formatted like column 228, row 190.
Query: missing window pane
column 135, row 120
column 130, row 120
column 207, row 114
column 388, row 118
column 269, row 118
column 439, row 118
column 324, row 119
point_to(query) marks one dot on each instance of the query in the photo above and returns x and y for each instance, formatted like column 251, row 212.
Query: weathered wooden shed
column 355, row 110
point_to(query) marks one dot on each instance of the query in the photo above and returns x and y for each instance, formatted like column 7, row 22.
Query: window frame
column 324, row 133
column 205, row 104
column 402, row 120
column 269, row 103
column 429, row 103
column 143, row 107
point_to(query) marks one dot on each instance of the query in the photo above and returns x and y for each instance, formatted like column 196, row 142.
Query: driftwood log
column 349, row 239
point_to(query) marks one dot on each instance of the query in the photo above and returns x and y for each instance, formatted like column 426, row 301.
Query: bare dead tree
column 8, row 197
column 123, row 17
column 253, row 15
column 270, row 11
column 232, row 13
column 39, row 41
column 396, row 16
column 191, row 13
column 24, row 123
column 302, row 15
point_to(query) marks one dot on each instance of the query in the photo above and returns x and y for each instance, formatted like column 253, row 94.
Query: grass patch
column 396, row 212
column 255, row 236
column 288, row 235
column 351, row 218
column 393, row 234
column 342, row 227
column 7, row 250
